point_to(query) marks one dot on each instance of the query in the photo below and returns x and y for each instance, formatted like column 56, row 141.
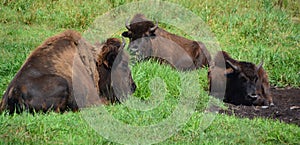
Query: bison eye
column 127, row 34
column 244, row 79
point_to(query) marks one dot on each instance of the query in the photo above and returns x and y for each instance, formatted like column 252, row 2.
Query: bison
column 240, row 82
column 148, row 40
column 66, row 73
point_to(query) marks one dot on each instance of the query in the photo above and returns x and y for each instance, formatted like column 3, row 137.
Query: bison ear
column 229, row 73
column 109, row 60
column 234, row 67
column 126, row 34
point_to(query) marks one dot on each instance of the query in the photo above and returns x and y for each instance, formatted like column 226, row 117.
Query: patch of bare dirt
column 286, row 109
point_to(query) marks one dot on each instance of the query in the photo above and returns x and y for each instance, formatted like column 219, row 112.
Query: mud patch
column 286, row 109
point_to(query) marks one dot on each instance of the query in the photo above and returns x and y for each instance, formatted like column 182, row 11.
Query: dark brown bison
column 239, row 82
column 148, row 40
column 66, row 73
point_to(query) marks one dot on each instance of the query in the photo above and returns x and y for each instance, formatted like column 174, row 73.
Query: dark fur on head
column 139, row 26
column 245, row 82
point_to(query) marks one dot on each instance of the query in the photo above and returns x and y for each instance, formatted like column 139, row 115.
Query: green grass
column 248, row 30
column 71, row 128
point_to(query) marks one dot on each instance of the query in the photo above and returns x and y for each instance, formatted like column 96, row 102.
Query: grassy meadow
column 249, row 30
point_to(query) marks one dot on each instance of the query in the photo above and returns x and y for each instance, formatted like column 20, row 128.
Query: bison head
column 242, row 83
column 140, row 30
column 115, row 81
column 139, row 27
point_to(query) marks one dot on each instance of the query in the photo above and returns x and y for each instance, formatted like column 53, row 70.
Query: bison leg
column 12, row 100
column 47, row 92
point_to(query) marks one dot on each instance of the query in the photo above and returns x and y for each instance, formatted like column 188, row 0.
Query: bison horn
column 260, row 65
column 155, row 27
column 127, row 24
column 236, row 68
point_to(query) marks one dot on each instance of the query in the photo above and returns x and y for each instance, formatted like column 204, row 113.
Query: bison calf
column 61, row 73
column 238, row 81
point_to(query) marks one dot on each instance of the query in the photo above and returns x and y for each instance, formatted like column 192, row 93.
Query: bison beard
column 45, row 82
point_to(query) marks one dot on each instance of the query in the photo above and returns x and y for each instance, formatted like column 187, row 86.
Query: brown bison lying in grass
column 148, row 40
column 66, row 73
column 238, row 81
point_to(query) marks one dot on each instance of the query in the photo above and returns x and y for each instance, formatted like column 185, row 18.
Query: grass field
column 248, row 30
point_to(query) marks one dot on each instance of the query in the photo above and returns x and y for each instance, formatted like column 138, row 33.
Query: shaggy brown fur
column 113, row 61
column 61, row 74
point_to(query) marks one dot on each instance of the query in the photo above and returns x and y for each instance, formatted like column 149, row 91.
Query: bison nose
column 253, row 96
